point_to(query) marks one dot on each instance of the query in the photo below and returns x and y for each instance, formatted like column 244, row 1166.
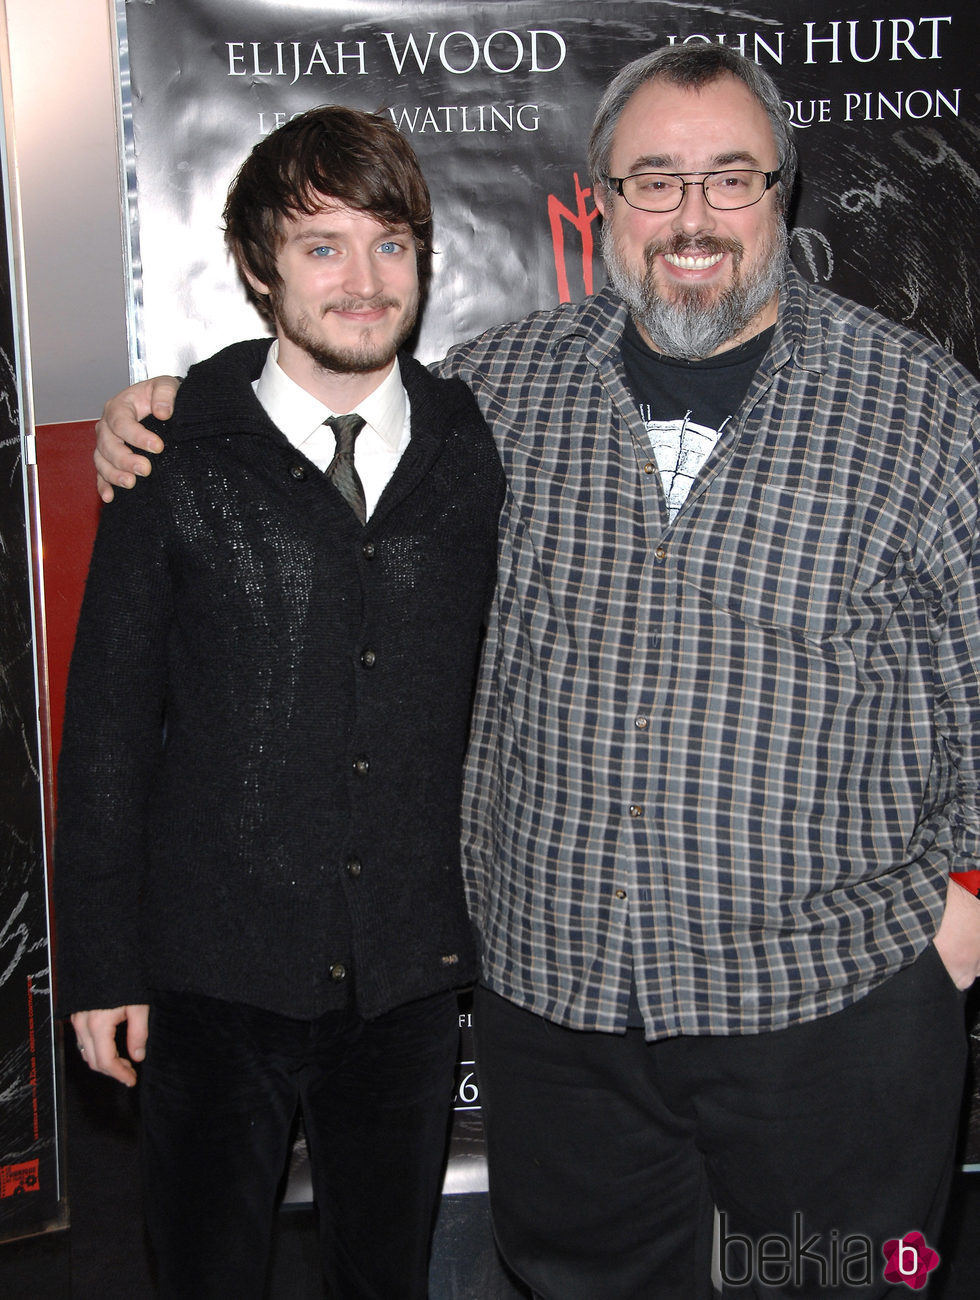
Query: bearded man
column 721, row 823
column 257, row 856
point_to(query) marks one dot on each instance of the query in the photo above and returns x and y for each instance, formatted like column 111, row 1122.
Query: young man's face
column 349, row 295
column 697, row 277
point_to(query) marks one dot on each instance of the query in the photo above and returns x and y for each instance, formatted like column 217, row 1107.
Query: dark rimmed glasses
column 664, row 191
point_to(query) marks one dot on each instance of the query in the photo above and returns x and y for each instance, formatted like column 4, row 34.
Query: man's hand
column 120, row 424
column 96, row 1034
column 958, row 937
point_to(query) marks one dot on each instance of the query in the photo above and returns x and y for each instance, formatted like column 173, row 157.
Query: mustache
column 362, row 304
column 694, row 246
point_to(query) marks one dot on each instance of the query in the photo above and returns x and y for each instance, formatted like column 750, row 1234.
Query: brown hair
column 327, row 154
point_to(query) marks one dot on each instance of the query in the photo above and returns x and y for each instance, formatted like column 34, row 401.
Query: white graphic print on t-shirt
column 681, row 448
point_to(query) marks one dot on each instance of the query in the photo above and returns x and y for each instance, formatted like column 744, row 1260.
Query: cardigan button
column 338, row 972
column 369, row 550
column 298, row 472
column 361, row 765
column 368, row 658
column 354, row 867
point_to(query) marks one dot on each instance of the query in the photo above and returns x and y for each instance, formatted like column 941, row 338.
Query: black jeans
column 219, row 1091
column 608, row 1155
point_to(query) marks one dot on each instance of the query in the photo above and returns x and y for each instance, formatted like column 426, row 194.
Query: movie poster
column 497, row 100
column 30, row 1175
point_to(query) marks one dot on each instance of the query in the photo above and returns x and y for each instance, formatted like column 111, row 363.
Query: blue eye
column 322, row 250
column 389, row 246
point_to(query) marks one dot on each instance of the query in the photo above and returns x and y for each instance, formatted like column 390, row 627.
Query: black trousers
column 219, row 1091
column 817, row 1144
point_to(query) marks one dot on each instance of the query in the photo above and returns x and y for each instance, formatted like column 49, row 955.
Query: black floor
column 102, row 1255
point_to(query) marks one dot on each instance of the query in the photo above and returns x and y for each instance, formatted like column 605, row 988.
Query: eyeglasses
column 664, row 192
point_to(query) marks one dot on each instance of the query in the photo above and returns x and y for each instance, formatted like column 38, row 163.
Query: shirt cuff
column 970, row 881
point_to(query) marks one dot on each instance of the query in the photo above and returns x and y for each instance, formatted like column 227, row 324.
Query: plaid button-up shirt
column 732, row 757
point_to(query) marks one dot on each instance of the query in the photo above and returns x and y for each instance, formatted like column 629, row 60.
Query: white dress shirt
column 300, row 416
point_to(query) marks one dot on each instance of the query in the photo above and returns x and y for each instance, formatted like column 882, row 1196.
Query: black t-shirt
column 686, row 404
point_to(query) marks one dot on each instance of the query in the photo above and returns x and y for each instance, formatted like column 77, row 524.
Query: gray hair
column 691, row 66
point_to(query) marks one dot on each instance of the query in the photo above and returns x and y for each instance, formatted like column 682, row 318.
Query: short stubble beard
column 698, row 322
column 352, row 360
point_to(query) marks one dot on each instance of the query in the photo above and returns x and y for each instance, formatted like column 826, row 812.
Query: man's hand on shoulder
column 117, row 465
column 958, row 937
column 96, row 1034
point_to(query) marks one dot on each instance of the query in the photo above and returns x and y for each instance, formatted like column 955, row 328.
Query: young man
column 721, row 810
column 257, row 863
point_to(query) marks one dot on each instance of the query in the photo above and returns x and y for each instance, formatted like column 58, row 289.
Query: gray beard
column 697, row 325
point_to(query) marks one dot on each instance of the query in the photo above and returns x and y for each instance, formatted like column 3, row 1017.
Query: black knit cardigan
column 258, row 791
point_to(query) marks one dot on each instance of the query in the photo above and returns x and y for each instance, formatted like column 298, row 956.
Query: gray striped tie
column 341, row 469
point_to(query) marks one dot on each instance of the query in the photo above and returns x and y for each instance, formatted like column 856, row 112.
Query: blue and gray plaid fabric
column 732, row 757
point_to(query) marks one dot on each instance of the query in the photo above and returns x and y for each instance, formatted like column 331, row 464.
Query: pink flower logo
column 909, row 1260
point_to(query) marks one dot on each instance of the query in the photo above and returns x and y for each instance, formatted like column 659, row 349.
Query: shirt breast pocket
column 790, row 562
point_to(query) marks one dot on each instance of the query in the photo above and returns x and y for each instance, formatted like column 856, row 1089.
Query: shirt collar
column 298, row 413
column 799, row 332
column 600, row 322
